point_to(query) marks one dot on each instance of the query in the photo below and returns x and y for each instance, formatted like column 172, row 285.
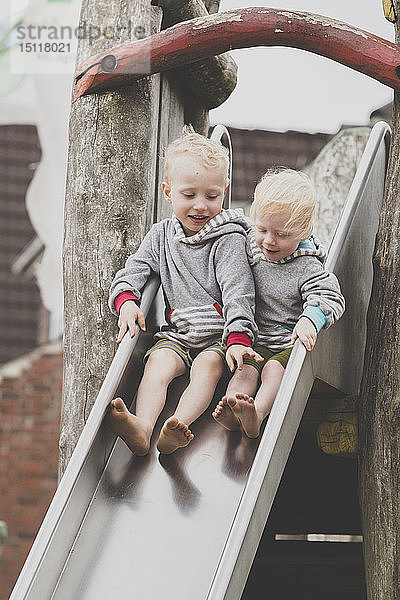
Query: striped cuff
column 123, row 297
column 315, row 314
column 238, row 338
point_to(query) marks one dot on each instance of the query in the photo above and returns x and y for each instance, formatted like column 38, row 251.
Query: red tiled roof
column 254, row 151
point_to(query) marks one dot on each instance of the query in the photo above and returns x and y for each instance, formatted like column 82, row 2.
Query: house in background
column 30, row 368
column 22, row 318
column 31, row 364
column 255, row 150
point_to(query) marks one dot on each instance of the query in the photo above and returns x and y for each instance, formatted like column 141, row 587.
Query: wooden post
column 210, row 81
column 380, row 395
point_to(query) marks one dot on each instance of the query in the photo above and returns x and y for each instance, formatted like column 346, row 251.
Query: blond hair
column 211, row 153
column 281, row 189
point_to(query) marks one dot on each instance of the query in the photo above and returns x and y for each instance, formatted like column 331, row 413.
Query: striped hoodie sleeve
column 137, row 269
column 320, row 289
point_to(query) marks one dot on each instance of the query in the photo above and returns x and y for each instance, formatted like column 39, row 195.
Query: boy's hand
column 129, row 315
column 236, row 353
column 306, row 332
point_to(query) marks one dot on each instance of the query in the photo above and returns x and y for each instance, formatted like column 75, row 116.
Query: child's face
column 195, row 191
column 273, row 238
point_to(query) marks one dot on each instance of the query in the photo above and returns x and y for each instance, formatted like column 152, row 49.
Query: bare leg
column 244, row 381
column 161, row 368
column 205, row 373
column 251, row 413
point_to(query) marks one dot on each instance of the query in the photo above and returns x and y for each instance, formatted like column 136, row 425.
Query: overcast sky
column 285, row 88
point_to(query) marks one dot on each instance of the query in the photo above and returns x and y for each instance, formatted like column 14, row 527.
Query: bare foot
column 129, row 427
column 224, row 415
column 245, row 411
column 174, row 435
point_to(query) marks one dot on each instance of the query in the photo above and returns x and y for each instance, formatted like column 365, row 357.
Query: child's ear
column 166, row 190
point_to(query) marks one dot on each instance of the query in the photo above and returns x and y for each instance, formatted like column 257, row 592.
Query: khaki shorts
column 282, row 357
column 187, row 354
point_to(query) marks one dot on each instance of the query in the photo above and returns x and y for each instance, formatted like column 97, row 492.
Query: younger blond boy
column 199, row 255
column 295, row 295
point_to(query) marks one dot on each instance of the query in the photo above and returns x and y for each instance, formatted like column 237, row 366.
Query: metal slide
column 188, row 525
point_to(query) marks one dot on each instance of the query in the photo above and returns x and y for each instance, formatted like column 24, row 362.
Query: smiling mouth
column 198, row 219
column 270, row 251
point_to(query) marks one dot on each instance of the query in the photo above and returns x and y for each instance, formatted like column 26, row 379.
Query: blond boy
column 295, row 296
column 199, row 255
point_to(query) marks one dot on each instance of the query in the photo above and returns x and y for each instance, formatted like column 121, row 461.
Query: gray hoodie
column 206, row 279
column 296, row 286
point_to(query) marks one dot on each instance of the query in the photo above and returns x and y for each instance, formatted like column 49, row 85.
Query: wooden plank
column 171, row 119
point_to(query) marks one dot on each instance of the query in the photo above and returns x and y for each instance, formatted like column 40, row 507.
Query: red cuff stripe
column 123, row 297
column 238, row 338
column 218, row 308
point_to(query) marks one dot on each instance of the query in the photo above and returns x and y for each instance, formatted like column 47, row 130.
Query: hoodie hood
column 308, row 247
column 227, row 221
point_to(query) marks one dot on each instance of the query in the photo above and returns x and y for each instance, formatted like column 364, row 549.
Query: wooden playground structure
column 124, row 111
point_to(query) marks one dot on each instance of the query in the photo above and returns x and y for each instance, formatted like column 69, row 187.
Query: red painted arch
column 200, row 38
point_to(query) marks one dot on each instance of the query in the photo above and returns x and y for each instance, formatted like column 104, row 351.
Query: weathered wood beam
column 379, row 405
column 200, row 38
column 212, row 6
column 211, row 81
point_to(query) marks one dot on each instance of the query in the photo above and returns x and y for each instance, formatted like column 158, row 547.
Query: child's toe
column 172, row 423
